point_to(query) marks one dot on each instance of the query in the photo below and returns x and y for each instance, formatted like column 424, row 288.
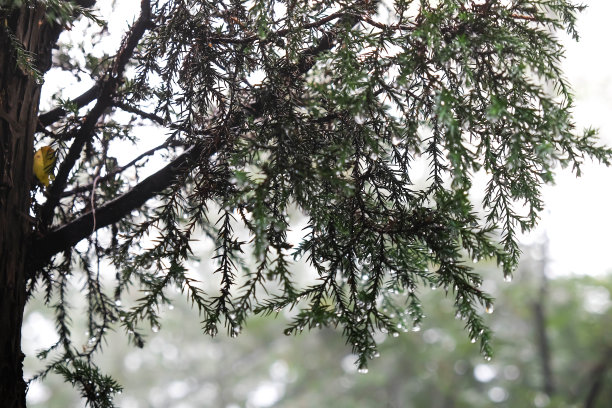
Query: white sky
column 578, row 215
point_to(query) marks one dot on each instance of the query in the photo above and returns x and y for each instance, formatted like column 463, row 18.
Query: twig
column 93, row 203
column 110, row 174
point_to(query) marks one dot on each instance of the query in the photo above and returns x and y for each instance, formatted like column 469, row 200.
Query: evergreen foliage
column 324, row 107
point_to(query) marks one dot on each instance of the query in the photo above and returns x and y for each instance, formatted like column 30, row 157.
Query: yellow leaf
column 44, row 161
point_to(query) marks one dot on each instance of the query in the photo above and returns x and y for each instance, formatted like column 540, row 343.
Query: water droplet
column 395, row 334
column 170, row 307
column 473, row 340
column 117, row 302
column 416, row 328
column 508, row 278
column 287, row 332
column 489, row 309
column 362, row 371
column 155, row 328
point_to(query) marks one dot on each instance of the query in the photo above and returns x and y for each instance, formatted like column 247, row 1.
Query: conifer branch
column 69, row 234
column 104, row 100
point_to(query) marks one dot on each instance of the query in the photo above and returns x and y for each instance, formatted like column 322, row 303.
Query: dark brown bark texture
column 19, row 98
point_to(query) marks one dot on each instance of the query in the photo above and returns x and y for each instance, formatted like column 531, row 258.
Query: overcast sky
column 578, row 215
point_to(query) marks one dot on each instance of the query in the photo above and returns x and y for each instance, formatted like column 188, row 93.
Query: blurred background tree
column 435, row 367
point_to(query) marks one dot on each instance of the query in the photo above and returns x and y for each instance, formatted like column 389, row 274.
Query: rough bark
column 19, row 98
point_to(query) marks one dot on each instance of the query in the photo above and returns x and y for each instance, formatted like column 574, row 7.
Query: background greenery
column 435, row 367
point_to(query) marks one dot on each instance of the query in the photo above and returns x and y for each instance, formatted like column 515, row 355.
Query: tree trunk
column 19, row 98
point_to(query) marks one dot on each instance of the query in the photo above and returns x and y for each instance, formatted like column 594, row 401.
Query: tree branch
column 107, row 89
column 113, row 211
column 145, row 115
column 81, row 189
column 48, row 118
column 274, row 35
column 66, row 236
